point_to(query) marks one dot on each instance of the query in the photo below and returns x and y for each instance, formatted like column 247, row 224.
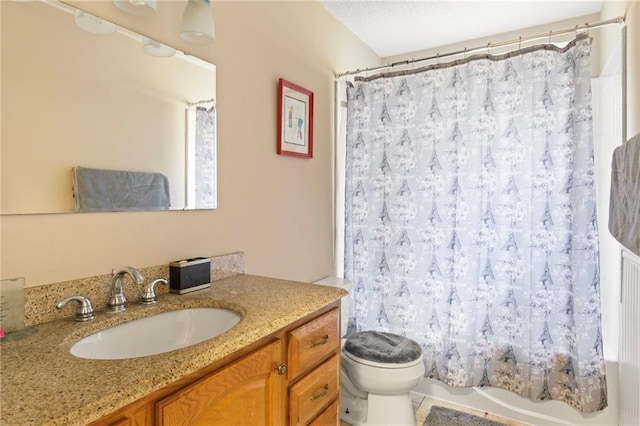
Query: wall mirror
column 114, row 101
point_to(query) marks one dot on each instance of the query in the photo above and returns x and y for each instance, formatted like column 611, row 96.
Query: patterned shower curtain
column 471, row 220
column 205, row 158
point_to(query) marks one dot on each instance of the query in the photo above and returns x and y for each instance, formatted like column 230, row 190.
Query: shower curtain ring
column 550, row 31
column 519, row 42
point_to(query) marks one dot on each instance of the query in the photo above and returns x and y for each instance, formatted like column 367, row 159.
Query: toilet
column 378, row 372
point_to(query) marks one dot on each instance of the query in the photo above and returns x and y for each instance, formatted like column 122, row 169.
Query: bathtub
column 508, row 404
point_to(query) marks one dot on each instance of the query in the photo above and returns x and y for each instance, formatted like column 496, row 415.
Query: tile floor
column 422, row 404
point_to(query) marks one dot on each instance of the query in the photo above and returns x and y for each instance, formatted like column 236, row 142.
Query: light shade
column 197, row 22
column 93, row 24
column 159, row 50
column 138, row 7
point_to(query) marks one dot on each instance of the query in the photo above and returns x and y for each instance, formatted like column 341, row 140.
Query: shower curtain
column 471, row 220
column 205, row 158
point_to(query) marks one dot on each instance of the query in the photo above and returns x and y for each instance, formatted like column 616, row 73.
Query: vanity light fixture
column 159, row 50
column 138, row 7
column 197, row 22
column 93, row 24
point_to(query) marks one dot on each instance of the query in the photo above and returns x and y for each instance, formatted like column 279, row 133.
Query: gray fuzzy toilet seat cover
column 378, row 346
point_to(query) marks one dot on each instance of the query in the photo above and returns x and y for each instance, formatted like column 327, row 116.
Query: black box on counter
column 189, row 275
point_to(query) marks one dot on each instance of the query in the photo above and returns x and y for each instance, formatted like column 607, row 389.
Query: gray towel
column 624, row 202
column 98, row 190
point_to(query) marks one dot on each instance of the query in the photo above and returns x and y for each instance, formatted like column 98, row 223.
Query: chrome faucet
column 149, row 292
column 84, row 310
column 117, row 300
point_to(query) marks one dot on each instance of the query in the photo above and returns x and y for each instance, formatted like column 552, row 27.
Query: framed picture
column 295, row 120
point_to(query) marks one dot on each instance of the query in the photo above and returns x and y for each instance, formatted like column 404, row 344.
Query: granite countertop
column 42, row 383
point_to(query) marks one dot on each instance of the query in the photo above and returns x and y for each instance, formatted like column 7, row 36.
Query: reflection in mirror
column 74, row 98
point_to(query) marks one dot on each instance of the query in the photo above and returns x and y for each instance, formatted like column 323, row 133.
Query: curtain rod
column 202, row 102
column 519, row 40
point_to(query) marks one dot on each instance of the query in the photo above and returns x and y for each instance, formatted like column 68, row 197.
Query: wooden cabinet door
column 249, row 391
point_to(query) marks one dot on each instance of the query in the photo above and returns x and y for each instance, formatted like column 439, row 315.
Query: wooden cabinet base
column 252, row 386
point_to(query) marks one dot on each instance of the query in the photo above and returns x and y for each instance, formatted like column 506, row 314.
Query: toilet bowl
column 376, row 381
column 377, row 372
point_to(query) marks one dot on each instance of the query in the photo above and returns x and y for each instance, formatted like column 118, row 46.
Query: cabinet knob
column 281, row 369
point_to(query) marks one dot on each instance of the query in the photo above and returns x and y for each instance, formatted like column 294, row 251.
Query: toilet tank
column 333, row 281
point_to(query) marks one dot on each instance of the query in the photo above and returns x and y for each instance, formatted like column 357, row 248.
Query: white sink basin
column 156, row 334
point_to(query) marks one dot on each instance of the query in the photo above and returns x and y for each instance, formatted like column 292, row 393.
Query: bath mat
column 441, row 416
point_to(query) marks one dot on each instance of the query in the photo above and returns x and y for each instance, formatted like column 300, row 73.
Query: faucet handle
column 149, row 294
column 84, row 310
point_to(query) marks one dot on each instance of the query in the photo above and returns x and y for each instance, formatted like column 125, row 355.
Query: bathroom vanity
column 279, row 365
column 254, row 385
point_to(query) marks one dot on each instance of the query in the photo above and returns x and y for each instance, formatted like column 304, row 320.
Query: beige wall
column 631, row 10
column 610, row 36
column 633, row 68
column 276, row 209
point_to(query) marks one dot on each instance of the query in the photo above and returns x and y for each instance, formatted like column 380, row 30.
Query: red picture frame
column 295, row 120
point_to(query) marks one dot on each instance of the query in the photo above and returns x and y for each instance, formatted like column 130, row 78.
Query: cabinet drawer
column 330, row 416
column 315, row 391
column 312, row 342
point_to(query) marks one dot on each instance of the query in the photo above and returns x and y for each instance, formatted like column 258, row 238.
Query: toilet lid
column 381, row 347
